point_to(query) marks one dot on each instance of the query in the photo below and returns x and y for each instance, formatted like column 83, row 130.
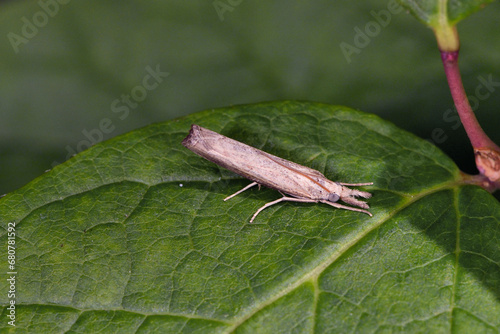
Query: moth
column 302, row 184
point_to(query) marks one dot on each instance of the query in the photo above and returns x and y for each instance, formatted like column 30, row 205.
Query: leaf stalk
column 487, row 153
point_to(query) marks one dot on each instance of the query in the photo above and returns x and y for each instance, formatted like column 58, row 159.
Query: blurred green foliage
column 80, row 58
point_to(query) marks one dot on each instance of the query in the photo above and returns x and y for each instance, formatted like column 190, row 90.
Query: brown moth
column 303, row 183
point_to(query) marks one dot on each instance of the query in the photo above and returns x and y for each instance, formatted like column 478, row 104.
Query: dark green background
column 64, row 80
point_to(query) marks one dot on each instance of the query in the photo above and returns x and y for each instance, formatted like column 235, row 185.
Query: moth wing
column 259, row 166
column 312, row 173
column 302, row 181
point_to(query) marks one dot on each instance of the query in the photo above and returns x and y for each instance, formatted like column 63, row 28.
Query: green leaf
column 429, row 11
column 133, row 235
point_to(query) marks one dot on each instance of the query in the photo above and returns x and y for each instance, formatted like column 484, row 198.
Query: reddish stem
column 486, row 151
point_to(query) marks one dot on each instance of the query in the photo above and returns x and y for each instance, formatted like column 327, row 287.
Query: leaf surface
column 133, row 235
column 428, row 11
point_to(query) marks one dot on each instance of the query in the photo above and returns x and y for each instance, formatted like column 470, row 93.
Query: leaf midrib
column 314, row 274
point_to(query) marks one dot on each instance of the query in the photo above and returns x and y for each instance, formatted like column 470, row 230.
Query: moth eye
column 333, row 197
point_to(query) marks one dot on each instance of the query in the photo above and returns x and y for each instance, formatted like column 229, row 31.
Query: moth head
column 332, row 197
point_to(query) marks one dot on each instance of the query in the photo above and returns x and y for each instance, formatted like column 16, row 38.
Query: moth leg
column 355, row 184
column 284, row 198
column 242, row 190
column 340, row 206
